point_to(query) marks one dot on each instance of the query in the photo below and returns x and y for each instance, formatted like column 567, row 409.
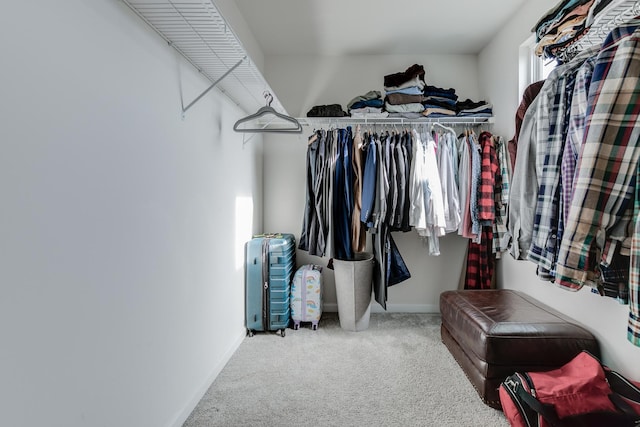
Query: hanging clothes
column 448, row 168
column 465, row 177
column 524, row 186
column 581, row 134
column 553, row 115
column 575, row 131
column 480, row 255
column 407, row 149
column 343, row 196
column 369, row 178
column 379, row 230
column 490, row 187
column 313, row 237
column 476, row 170
column 359, row 236
column 427, row 207
column 359, row 183
column 400, row 161
column 480, row 261
column 501, row 237
column 394, row 170
column 606, row 178
column 530, row 93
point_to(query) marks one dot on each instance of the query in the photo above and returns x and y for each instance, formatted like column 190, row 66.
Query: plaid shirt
column 481, row 262
column 633, row 331
column 575, row 131
column 606, row 173
column 617, row 238
column 490, row 181
column 552, row 128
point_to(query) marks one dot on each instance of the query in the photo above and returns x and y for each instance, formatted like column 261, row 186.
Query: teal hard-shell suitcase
column 270, row 264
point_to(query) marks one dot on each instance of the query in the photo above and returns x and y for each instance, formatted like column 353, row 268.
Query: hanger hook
column 268, row 97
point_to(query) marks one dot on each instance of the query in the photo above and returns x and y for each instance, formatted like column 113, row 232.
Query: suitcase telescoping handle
column 265, row 284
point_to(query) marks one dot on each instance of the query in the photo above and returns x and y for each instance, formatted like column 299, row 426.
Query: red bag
column 581, row 393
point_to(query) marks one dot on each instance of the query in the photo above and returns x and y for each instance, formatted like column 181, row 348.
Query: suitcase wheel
column 249, row 332
column 296, row 326
column 314, row 327
column 282, row 333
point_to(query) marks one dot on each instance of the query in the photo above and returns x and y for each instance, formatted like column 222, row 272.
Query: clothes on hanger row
column 416, row 179
column 572, row 200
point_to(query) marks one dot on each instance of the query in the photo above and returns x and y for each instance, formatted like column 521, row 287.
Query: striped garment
column 501, row 236
column 607, row 167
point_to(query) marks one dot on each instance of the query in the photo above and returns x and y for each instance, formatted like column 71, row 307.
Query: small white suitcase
column 306, row 296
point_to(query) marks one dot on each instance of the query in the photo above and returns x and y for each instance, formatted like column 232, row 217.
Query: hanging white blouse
column 426, row 213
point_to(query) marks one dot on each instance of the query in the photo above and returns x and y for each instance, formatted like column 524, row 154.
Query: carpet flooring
column 395, row 373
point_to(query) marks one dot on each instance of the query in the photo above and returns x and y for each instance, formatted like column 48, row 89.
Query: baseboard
column 392, row 308
column 182, row 417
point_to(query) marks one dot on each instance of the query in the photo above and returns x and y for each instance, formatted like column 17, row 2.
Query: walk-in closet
column 145, row 142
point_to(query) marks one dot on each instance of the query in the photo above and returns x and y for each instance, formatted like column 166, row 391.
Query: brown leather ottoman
column 494, row 333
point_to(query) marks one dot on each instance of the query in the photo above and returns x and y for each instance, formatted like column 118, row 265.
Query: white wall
column 304, row 81
column 121, row 226
column 604, row 317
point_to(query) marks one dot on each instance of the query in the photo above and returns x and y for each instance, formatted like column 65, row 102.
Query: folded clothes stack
column 469, row 108
column 368, row 105
column 567, row 23
column 403, row 92
column 331, row 110
column 439, row 102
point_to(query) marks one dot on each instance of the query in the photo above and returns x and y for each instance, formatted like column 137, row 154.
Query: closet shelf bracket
column 214, row 84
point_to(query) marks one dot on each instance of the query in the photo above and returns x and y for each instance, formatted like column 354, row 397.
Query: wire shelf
column 401, row 121
column 617, row 13
column 198, row 31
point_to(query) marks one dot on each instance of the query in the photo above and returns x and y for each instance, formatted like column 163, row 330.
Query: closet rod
column 310, row 121
column 229, row 71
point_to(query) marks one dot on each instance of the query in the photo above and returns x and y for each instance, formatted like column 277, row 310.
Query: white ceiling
column 375, row 27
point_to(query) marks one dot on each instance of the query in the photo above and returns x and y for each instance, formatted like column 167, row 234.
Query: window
column 532, row 67
column 547, row 66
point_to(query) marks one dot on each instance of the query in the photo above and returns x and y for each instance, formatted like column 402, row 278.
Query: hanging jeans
column 343, row 196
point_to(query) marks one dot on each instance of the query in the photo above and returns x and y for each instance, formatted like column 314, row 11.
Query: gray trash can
column 354, row 284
